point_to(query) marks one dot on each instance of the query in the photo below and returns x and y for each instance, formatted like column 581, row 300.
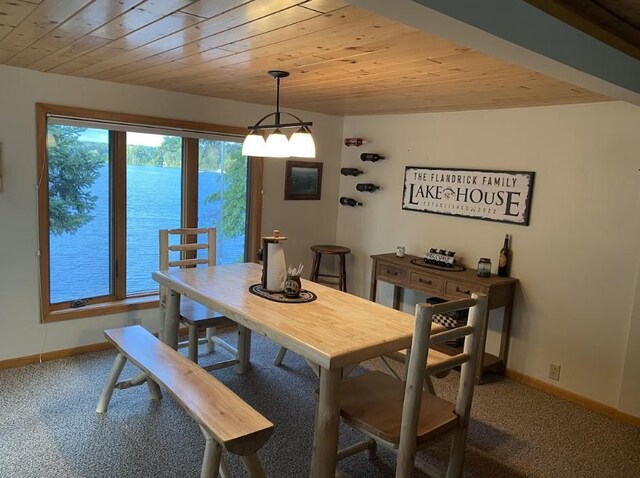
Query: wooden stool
column 332, row 251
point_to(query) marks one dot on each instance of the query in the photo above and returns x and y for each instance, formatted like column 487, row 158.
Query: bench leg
column 212, row 457
column 244, row 348
column 116, row 370
column 278, row 360
column 154, row 389
column 253, row 466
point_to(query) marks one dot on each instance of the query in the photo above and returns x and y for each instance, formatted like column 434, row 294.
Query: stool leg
column 343, row 273
column 315, row 268
column 278, row 360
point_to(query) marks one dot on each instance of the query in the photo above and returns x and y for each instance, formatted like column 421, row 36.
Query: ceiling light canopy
column 276, row 144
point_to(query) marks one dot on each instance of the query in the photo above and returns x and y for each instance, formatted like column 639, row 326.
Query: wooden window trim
column 118, row 190
column 118, row 302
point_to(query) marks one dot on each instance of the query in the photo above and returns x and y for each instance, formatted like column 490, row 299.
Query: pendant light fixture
column 276, row 145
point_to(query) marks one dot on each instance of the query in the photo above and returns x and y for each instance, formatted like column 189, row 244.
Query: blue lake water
column 80, row 262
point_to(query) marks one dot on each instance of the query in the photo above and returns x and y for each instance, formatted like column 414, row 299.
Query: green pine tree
column 73, row 168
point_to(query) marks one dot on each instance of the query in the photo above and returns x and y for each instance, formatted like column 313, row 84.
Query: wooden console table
column 400, row 272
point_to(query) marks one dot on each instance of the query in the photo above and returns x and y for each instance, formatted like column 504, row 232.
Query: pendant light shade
column 253, row 144
column 277, row 145
column 301, row 144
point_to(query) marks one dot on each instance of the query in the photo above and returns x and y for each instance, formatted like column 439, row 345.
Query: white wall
column 21, row 334
column 577, row 261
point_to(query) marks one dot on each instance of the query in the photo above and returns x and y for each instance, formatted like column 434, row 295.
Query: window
column 108, row 182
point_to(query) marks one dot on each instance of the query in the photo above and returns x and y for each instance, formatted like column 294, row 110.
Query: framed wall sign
column 303, row 180
column 503, row 196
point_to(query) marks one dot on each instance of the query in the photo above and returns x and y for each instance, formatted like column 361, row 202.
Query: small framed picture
column 303, row 180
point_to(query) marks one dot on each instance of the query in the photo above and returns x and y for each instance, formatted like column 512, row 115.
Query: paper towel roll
column 276, row 270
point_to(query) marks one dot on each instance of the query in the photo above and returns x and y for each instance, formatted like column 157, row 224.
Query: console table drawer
column 459, row 289
column 392, row 274
column 426, row 283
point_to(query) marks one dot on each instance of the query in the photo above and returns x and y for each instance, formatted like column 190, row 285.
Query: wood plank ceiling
column 343, row 60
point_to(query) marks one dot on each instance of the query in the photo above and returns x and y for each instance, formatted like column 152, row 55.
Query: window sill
column 105, row 308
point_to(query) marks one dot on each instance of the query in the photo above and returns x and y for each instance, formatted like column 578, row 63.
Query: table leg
column 244, row 349
column 325, row 439
column 172, row 319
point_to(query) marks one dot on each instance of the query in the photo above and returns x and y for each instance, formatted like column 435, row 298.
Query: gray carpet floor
column 49, row 428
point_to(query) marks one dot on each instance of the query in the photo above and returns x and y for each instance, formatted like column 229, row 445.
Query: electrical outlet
column 135, row 320
column 554, row 372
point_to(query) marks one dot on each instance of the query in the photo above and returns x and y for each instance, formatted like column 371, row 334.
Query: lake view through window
column 83, row 215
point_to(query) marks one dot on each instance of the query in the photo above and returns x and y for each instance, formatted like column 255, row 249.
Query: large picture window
column 109, row 182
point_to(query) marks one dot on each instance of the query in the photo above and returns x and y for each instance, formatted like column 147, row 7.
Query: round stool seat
column 329, row 249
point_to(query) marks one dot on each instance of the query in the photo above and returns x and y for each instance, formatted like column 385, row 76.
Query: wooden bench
column 224, row 418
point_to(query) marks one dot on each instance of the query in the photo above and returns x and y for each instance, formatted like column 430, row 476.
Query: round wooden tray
column 305, row 295
column 453, row 268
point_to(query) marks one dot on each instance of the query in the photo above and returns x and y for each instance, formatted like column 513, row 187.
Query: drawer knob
column 423, row 281
column 458, row 289
column 392, row 273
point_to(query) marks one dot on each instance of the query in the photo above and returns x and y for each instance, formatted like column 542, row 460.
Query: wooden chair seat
column 373, row 403
column 196, row 314
column 225, row 419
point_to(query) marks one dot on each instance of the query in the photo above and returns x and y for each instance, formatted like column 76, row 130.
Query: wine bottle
column 371, row 157
column 350, row 172
column 367, row 187
column 354, row 141
column 505, row 258
column 345, row 201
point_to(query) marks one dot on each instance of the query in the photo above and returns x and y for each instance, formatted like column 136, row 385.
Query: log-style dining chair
column 403, row 416
column 193, row 314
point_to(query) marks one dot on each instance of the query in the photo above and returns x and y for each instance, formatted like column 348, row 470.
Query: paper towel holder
column 276, row 238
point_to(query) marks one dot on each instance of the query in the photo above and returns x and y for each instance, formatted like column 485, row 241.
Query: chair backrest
column 467, row 359
column 188, row 246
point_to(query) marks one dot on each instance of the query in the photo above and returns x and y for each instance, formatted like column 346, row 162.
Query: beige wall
column 577, row 261
column 305, row 222
column 630, row 390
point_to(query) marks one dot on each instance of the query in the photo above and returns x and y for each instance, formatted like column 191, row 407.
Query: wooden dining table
column 333, row 333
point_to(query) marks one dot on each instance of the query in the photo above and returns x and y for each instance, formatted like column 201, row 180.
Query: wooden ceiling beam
column 590, row 20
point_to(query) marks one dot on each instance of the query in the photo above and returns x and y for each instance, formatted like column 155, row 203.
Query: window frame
column 118, row 301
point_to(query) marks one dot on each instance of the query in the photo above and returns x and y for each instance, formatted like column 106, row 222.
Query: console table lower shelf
column 451, row 285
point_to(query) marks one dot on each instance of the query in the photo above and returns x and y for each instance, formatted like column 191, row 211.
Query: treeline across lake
column 167, row 155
